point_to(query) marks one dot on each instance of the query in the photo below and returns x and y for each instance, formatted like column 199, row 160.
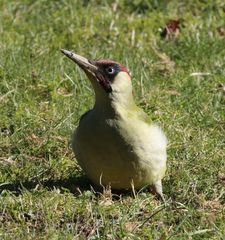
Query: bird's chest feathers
column 121, row 147
column 101, row 134
column 113, row 136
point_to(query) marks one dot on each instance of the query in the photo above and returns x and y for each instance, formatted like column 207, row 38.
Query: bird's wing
column 85, row 115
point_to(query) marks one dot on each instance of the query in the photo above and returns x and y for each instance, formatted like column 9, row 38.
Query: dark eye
column 110, row 70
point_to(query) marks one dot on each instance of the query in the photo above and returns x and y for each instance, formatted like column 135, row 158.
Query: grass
column 44, row 194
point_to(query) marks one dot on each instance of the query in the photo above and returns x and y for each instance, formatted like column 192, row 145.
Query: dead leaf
column 166, row 65
column 63, row 91
column 221, row 177
column 6, row 160
column 173, row 92
column 34, row 137
column 106, row 202
column 171, row 30
column 212, row 205
column 221, row 30
column 130, row 226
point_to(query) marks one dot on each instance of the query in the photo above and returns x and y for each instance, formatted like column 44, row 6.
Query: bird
column 116, row 143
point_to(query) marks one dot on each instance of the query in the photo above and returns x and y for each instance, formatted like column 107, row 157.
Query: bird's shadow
column 73, row 184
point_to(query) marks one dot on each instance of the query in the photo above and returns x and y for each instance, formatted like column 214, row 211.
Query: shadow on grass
column 74, row 184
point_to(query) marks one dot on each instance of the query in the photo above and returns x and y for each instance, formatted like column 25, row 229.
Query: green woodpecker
column 115, row 143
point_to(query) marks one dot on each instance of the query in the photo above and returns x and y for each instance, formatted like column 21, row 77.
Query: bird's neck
column 114, row 105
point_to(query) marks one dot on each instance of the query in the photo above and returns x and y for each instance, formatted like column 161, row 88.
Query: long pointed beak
column 82, row 62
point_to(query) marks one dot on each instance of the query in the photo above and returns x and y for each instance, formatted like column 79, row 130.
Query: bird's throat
column 114, row 105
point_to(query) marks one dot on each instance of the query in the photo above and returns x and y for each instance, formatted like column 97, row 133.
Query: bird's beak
column 90, row 68
column 82, row 62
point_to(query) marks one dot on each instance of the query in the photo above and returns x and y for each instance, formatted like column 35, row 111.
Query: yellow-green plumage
column 116, row 143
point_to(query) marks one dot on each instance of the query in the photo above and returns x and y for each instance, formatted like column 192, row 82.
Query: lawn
column 178, row 78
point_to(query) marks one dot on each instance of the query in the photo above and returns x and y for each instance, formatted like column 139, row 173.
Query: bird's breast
column 117, row 151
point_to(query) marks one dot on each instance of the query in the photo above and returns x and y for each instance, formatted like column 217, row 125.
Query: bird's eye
column 110, row 70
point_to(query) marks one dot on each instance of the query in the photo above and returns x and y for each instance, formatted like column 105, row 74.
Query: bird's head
column 109, row 79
